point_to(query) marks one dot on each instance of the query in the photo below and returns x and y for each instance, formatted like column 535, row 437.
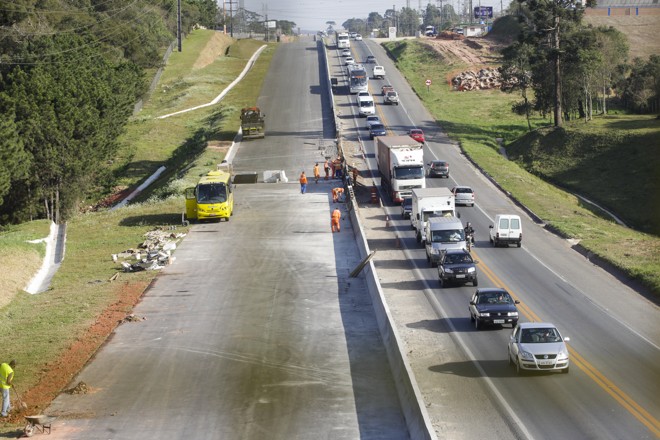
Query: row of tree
column 69, row 78
column 558, row 64
column 68, row 81
column 572, row 68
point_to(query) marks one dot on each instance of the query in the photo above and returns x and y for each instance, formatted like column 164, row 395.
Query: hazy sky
column 311, row 15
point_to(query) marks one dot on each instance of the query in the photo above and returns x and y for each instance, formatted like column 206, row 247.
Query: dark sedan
column 376, row 130
column 438, row 168
column 457, row 266
column 493, row 306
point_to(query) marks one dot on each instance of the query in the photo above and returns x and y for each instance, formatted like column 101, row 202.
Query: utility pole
column 178, row 24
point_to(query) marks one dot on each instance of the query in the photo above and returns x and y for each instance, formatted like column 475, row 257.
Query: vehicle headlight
column 562, row 355
column 448, row 270
column 484, row 314
column 512, row 314
column 471, row 269
column 526, row 355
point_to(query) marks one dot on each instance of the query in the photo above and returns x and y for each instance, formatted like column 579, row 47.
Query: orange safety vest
column 316, row 171
column 336, row 214
column 303, row 178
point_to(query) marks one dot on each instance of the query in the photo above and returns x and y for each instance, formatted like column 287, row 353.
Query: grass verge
column 41, row 329
column 477, row 119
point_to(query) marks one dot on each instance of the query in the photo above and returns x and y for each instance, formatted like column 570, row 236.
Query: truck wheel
column 475, row 283
column 519, row 243
column 419, row 237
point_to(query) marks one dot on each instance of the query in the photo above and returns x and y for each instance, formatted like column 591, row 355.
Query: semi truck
column 427, row 203
column 253, row 123
column 401, row 165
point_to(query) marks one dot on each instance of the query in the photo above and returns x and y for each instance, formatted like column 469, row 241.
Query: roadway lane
column 256, row 331
column 611, row 391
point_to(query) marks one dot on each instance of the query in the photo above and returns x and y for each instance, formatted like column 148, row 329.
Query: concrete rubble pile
column 486, row 78
column 153, row 253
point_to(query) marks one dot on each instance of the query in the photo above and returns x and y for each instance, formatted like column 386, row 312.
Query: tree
column 286, row 26
column 517, row 75
column 409, row 21
column 14, row 160
column 70, row 107
column 548, row 21
column 614, row 51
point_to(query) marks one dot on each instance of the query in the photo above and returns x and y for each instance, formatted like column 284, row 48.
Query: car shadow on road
column 498, row 368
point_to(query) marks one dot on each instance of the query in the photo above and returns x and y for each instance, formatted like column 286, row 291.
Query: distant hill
column 642, row 31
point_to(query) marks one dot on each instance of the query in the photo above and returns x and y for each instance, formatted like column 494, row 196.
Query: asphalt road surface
column 612, row 388
column 256, row 331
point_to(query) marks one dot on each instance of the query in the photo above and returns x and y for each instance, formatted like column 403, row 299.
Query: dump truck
column 401, row 165
column 253, row 123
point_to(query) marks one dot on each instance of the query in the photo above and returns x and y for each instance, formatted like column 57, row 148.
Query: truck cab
column 442, row 234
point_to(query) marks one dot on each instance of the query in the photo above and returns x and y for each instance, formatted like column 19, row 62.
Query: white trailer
column 427, row 203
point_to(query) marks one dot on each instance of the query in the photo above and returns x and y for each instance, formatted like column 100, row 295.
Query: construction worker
column 326, row 167
column 336, row 216
column 317, row 174
column 303, row 183
column 337, row 193
column 337, row 167
column 6, row 378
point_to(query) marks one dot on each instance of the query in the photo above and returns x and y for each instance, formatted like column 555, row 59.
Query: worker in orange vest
column 336, row 216
column 303, row 183
column 326, row 167
column 317, row 173
column 337, row 193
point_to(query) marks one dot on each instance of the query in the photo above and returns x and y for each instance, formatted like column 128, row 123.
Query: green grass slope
column 38, row 328
column 613, row 161
column 476, row 119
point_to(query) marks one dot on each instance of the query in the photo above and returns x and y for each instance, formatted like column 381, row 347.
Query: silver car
column 463, row 195
column 538, row 346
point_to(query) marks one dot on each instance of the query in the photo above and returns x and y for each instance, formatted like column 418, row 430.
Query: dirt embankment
column 217, row 46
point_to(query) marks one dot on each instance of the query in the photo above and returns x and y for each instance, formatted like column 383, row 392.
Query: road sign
column 483, row 12
column 428, row 82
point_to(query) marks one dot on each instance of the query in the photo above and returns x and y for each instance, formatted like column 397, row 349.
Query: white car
column 463, row 195
column 379, row 72
column 538, row 346
column 346, row 53
column 349, row 60
column 358, row 37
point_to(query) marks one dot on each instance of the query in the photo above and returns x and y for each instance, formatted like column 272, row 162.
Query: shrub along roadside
column 476, row 119
column 39, row 328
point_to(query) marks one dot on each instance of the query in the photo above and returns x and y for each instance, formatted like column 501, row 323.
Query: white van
column 366, row 105
column 507, row 230
column 443, row 233
column 379, row 72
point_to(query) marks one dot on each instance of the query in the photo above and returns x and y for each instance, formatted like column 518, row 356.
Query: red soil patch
column 58, row 374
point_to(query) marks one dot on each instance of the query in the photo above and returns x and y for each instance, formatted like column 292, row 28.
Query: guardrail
column 417, row 418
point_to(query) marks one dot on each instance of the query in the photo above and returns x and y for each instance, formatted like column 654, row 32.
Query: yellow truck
column 212, row 198
column 253, row 123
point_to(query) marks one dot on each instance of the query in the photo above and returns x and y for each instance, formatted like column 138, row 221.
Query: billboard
column 483, row 12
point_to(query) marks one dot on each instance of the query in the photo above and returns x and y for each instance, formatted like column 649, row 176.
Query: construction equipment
column 253, row 123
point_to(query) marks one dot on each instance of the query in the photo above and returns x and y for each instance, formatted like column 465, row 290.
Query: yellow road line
column 624, row 400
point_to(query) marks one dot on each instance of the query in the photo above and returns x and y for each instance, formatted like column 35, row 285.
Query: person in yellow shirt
column 6, row 378
column 336, row 216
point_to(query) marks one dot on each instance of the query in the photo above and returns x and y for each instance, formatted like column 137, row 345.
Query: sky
column 311, row 15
